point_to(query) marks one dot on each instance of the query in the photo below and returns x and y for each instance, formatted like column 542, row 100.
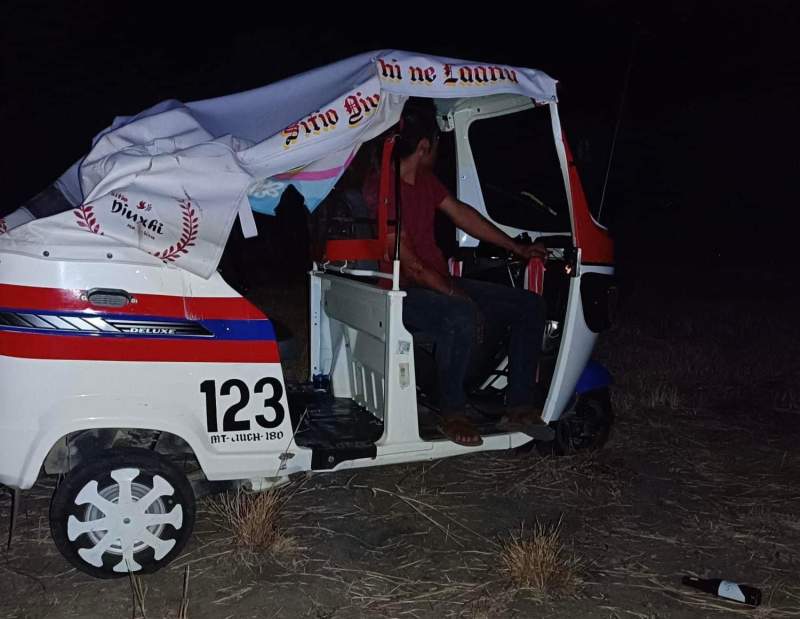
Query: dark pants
column 451, row 322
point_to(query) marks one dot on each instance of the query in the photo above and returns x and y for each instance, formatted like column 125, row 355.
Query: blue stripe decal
column 240, row 329
column 113, row 325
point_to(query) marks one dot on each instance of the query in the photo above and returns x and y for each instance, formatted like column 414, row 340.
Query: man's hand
column 526, row 252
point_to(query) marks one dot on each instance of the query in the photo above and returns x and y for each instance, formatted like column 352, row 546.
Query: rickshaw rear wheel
column 585, row 428
column 124, row 510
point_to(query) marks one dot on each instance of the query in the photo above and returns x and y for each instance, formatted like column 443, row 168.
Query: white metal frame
column 354, row 324
column 343, row 313
column 577, row 340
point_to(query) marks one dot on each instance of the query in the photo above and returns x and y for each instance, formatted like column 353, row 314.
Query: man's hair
column 418, row 123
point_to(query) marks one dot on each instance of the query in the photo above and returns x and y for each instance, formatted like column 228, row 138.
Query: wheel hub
column 124, row 519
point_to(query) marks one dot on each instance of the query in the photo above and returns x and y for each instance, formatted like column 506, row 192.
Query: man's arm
column 475, row 224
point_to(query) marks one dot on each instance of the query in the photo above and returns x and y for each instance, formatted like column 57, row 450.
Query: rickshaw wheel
column 125, row 510
column 585, row 428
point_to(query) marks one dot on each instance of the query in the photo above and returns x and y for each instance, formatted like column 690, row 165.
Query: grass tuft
column 540, row 563
column 253, row 520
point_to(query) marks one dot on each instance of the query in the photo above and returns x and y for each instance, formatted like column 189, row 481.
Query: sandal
column 460, row 430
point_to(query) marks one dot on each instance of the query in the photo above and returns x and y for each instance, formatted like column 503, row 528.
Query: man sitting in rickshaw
column 449, row 310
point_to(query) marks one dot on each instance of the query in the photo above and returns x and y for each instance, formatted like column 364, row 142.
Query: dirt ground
column 700, row 477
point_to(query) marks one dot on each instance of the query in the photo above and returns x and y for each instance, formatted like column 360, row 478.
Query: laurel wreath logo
column 189, row 229
column 86, row 218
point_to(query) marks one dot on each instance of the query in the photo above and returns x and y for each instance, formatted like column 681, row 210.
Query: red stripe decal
column 193, row 308
column 91, row 348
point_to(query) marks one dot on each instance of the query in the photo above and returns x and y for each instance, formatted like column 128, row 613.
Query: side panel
column 356, row 316
column 576, row 347
column 158, row 396
column 183, row 355
column 356, row 312
column 590, row 237
column 595, row 254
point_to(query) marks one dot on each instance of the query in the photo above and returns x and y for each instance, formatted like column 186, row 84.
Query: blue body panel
column 594, row 376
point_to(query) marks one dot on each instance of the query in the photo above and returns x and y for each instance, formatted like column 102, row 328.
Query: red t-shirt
column 418, row 204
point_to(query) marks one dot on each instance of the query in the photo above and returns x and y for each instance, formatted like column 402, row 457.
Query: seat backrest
column 374, row 248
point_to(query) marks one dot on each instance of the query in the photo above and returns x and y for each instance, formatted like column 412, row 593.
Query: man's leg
column 450, row 322
column 524, row 312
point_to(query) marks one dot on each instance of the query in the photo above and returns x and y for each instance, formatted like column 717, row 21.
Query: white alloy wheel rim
column 124, row 519
column 111, row 493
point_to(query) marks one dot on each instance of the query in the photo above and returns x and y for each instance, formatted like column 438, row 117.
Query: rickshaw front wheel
column 585, row 428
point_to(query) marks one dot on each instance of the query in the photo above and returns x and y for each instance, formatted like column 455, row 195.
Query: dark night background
column 707, row 156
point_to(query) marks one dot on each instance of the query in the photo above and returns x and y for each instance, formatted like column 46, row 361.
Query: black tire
column 585, row 428
column 100, row 479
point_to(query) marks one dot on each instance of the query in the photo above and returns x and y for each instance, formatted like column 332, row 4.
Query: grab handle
column 109, row 297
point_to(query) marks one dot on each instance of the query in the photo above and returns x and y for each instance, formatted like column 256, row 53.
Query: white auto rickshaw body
column 102, row 337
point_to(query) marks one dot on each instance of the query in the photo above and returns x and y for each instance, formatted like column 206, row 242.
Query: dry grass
column 138, row 593
column 540, row 563
column 183, row 609
column 699, row 351
column 253, row 520
column 787, row 398
column 663, row 396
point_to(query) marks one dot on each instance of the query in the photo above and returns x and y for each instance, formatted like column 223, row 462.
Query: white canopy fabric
column 172, row 179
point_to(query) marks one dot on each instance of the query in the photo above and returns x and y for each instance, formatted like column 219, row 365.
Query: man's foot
column 528, row 420
column 460, row 430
